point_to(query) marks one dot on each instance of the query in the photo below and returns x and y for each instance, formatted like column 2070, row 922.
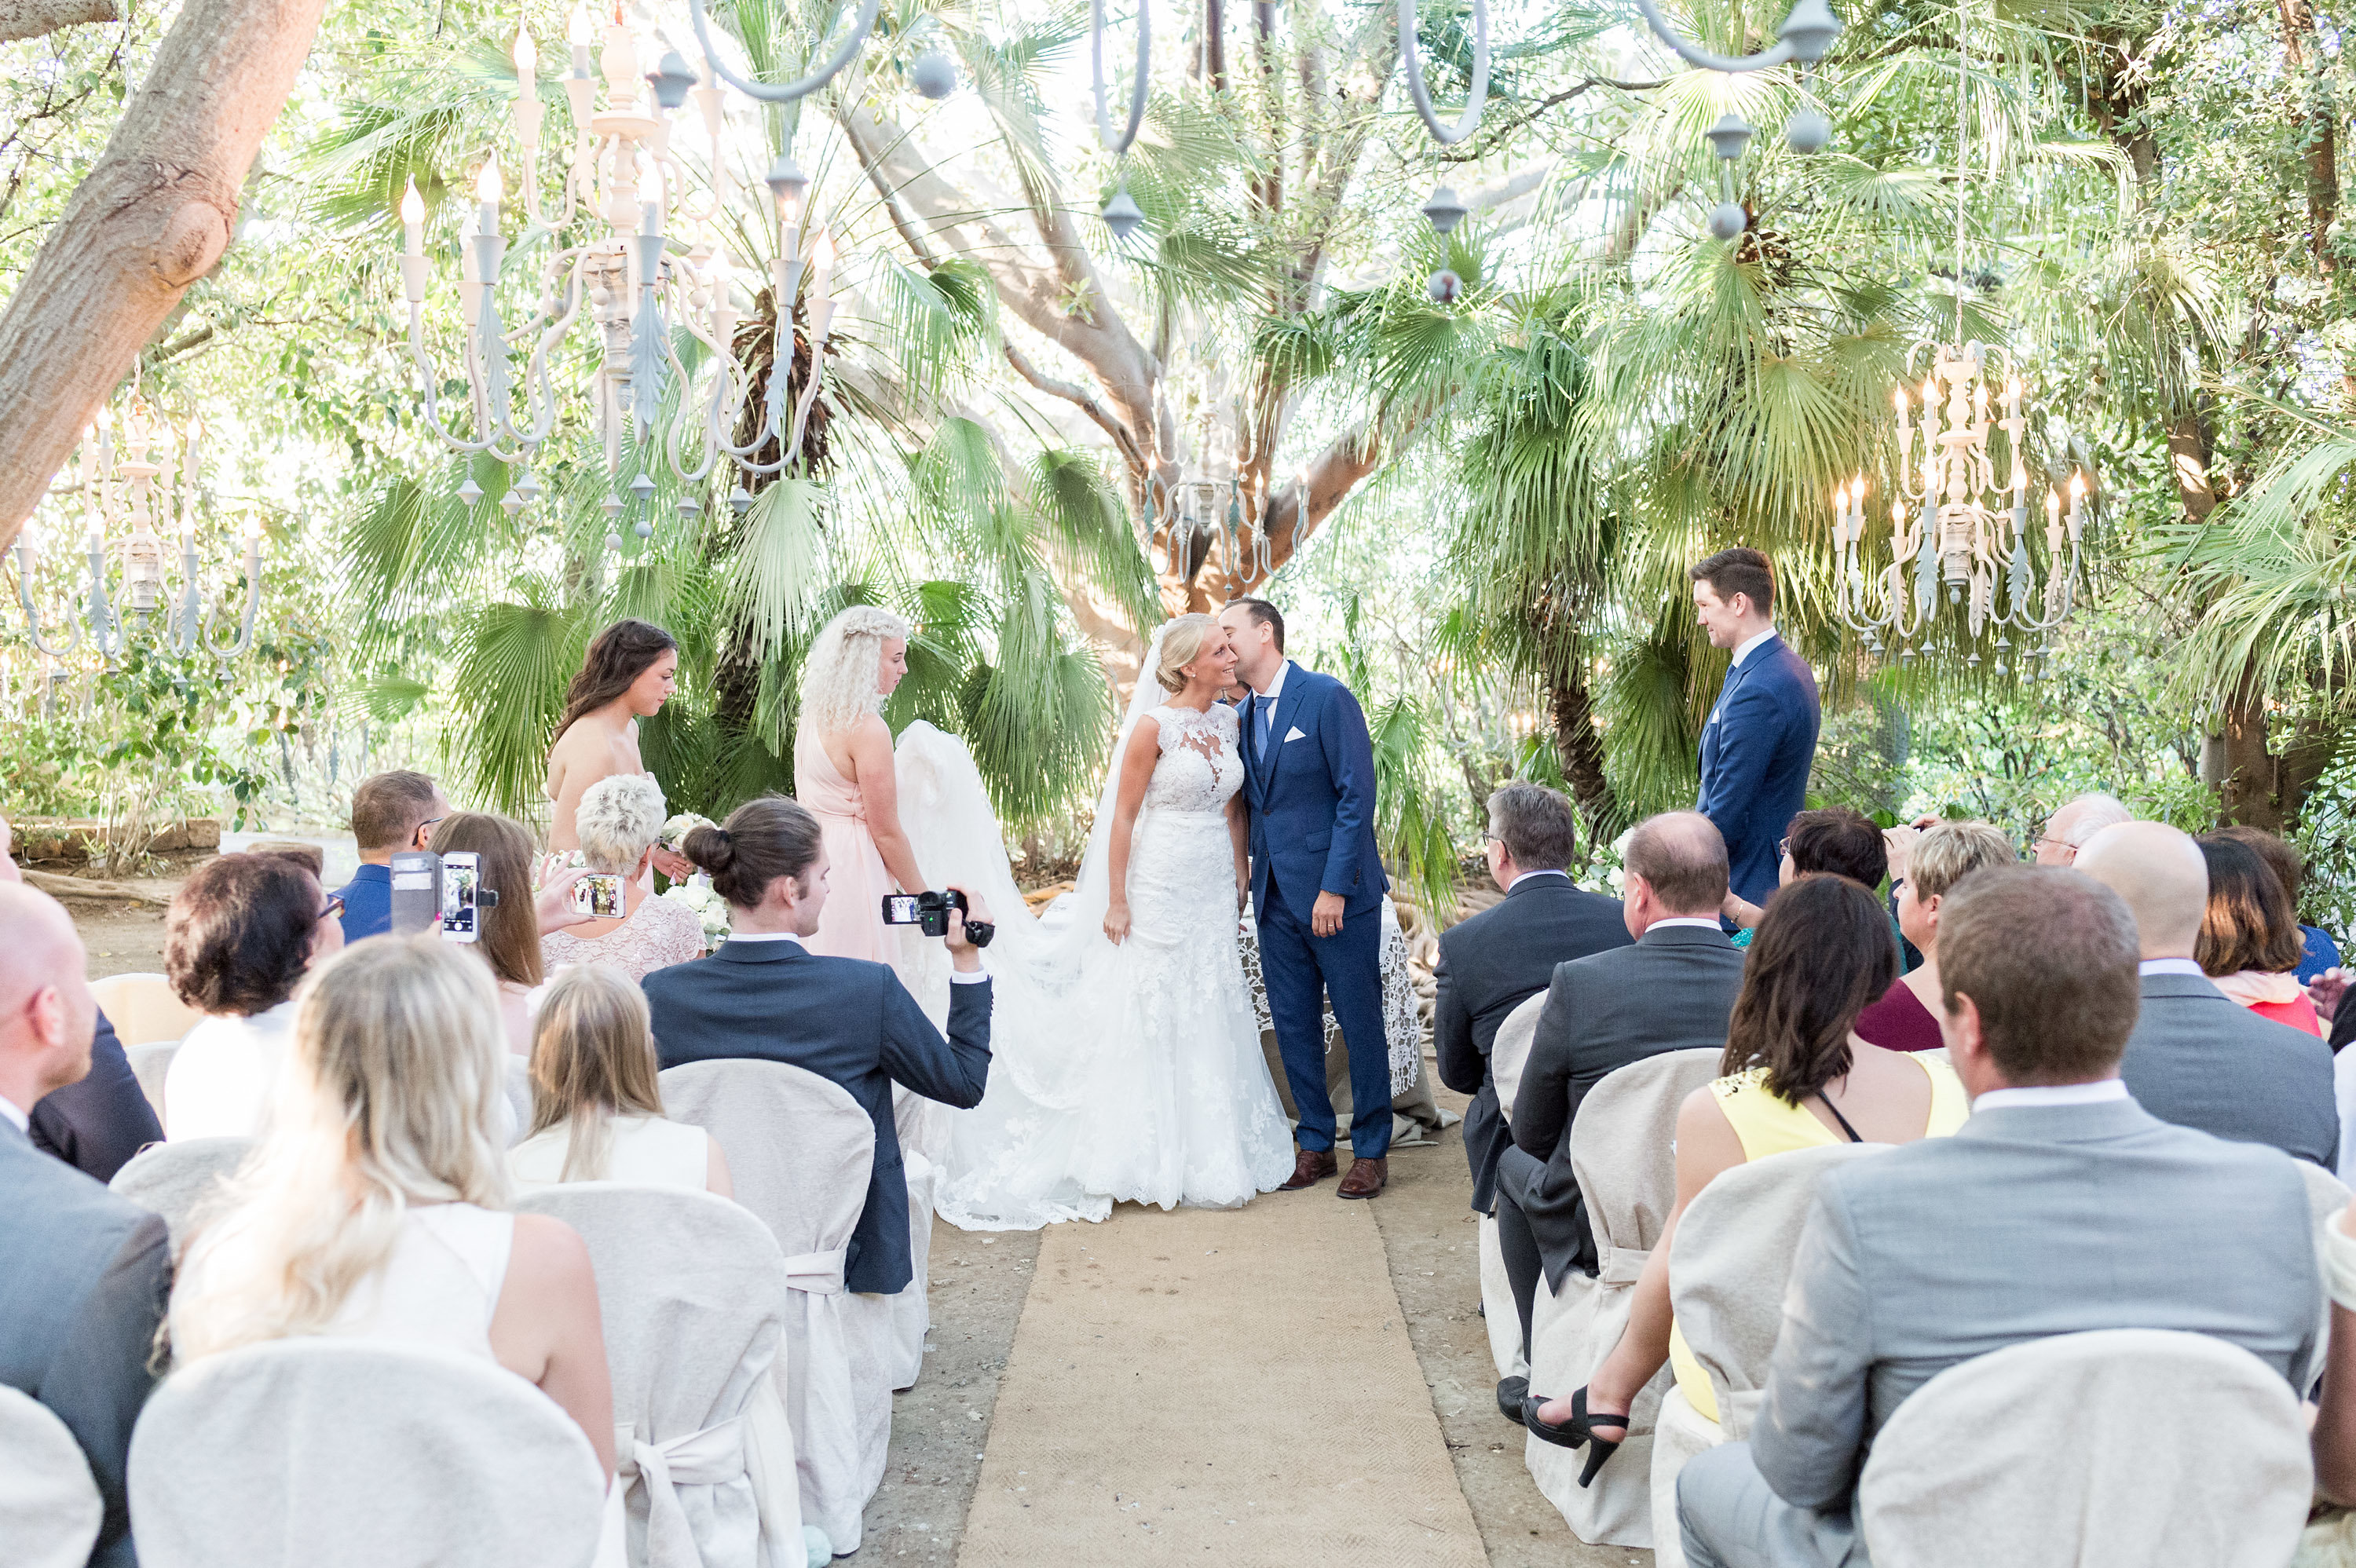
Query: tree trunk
column 2303, row 53
column 1579, row 746
column 38, row 18
column 152, row 217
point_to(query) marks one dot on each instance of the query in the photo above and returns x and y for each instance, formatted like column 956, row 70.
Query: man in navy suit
column 391, row 812
column 1317, row 891
column 1761, row 739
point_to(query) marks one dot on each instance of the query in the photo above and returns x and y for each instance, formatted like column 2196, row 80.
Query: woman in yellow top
column 1797, row 1075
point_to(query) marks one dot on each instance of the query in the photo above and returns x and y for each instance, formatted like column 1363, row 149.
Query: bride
column 1126, row 1061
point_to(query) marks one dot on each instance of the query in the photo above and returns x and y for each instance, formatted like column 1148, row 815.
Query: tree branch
column 1071, row 393
column 1497, row 135
column 37, row 19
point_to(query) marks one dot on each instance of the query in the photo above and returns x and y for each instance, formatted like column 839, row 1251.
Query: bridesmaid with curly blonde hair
column 843, row 773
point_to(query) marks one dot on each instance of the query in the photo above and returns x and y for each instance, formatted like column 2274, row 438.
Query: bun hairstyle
column 762, row 841
column 619, row 655
column 1181, row 646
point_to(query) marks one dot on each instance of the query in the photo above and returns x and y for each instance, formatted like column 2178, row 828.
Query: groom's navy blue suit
column 1308, row 778
column 1756, row 753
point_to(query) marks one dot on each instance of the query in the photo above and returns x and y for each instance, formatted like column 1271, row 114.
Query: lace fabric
column 658, row 933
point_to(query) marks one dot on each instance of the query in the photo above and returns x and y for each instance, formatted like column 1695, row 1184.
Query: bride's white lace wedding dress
column 1128, row 1072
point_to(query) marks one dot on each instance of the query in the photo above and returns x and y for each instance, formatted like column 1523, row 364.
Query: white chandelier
column 141, row 487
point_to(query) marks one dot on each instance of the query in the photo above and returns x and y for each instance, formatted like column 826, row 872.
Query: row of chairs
column 752, row 1393
column 1943, row 1489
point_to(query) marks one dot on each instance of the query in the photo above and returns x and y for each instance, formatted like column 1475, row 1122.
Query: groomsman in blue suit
column 1317, row 889
column 1761, row 739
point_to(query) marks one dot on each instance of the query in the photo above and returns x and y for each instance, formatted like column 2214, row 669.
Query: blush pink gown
column 851, row 924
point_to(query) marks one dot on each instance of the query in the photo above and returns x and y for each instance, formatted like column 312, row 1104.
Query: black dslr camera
column 930, row 912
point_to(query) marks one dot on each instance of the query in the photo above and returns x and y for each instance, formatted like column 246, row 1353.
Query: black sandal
column 1579, row 1431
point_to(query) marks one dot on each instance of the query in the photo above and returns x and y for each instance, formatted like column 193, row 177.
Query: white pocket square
column 1295, row 735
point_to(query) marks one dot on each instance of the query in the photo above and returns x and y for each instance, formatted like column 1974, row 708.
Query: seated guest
column 765, row 997
column 509, row 930
column 2060, row 1207
column 2317, row 951
column 618, row 821
column 1500, row 958
column 2334, row 1436
column 1835, row 840
column 596, row 1110
column 82, row 1273
column 1904, row 1017
column 2195, row 1058
column 375, row 1207
column 2249, row 943
column 1672, row 990
column 97, row 1124
column 394, row 811
column 1797, row 1076
column 238, row 936
column 2075, row 822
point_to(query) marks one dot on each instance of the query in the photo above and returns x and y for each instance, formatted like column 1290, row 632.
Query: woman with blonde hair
column 375, row 1207
column 596, row 1110
column 1906, row 1018
column 843, row 774
column 620, row 819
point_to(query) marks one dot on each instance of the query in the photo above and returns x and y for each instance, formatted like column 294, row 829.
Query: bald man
column 2198, row 1057
column 83, row 1274
column 2072, row 823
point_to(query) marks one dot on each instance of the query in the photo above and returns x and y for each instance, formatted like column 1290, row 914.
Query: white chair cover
column 142, row 1008
column 2327, row 1198
column 691, row 1289
column 518, row 1086
column 923, row 1126
column 1510, row 1052
column 50, row 1507
column 801, row 1152
column 151, row 1063
column 2115, row 1449
column 296, row 1453
column 1622, row 1150
column 1727, row 1267
column 1507, row 1053
column 172, row 1179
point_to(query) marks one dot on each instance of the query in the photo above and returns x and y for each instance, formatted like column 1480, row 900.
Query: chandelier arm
column 33, row 615
column 783, row 93
column 1120, row 147
column 1474, row 99
column 1693, row 53
column 237, row 645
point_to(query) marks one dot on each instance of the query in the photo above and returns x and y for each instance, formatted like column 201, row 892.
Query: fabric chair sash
column 818, row 1274
column 705, row 1458
column 1622, row 1265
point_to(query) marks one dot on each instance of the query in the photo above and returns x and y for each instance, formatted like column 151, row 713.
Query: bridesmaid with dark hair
column 630, row 671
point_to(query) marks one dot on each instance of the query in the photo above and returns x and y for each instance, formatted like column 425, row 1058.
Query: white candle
column 488, row 191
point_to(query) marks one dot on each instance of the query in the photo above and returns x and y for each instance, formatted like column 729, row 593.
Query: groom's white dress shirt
column 1742, row 649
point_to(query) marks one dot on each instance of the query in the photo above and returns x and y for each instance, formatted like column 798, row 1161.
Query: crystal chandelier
column 134, row 492
column 1953, row 524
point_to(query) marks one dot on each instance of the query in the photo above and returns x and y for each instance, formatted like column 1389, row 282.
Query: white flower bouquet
column 678, row 827
column 709, row 907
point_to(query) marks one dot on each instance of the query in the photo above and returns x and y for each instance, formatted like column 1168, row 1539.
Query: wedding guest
column 376, row 1206
column 82, row 1272
column 1501, row 957
column 2194, row 1057
column 843, row 774
column 1905, row 1016
column 2061, row 1207
column 1673, row 989
column 1836, row 840
column 2334, row 1435
column 1761, row 739
column 1796, row 1076
column 97, row 1124
column 767, row 997
column 619, row 819
column 508, row 933
column 238, row 937
column 630, row 670
column 2072, row 823
column 2249, row 937
column 391, row 812
column 2317, row 951
column 596, row 1110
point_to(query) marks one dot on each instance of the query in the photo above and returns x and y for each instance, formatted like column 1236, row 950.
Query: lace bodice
column 1201, row 766
column 658, row 933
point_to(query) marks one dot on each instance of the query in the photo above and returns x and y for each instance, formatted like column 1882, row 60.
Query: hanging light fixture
column 1121, row 213
column 1806, row 37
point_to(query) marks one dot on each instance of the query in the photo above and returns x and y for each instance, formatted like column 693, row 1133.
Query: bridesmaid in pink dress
column 843, row 773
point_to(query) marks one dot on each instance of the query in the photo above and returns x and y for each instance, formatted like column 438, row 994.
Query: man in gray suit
column 2197, row 1057
column 2062, row 1206
column 83, row 1274
column 1673, row 989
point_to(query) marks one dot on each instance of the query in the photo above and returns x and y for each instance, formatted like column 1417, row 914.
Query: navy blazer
column 97, row 1124
column 1756, row 751
column 368, row 902
column 1311, row 799
column 850, row 1022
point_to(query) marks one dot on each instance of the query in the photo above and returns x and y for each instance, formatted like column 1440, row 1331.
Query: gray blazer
column 1673, row 989
column 2031, row 1220
column 2199, row 1058
column 83, row 1278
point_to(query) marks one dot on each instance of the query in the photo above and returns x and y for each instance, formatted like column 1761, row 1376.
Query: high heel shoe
column 1578, row 1431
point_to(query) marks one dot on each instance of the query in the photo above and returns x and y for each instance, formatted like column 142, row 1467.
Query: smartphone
column 599, row 894
column 902, row 908
column 462, row 876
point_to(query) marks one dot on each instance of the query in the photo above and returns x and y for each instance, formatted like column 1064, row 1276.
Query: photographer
column 764, row 995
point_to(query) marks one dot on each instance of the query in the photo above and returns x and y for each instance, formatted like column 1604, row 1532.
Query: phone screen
column 900, row 908
column 461, row 878
column 599, row 894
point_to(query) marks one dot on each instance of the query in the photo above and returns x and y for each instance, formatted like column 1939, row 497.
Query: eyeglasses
column 335, row 909
column 2057, row 843
column 429, row 822
column 1782, row 847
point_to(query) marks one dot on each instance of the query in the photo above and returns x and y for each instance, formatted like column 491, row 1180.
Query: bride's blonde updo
column 1181, row 644
column 839, row 676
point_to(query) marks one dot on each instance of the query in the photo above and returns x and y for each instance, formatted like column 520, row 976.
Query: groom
column 1317, row 889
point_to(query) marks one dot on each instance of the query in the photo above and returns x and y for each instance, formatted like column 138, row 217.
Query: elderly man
column 83, row 1274
column 2075, row 822
column 2197, row 1057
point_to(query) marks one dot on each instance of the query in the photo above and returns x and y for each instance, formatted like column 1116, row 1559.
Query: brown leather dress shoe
column 1366, row 1178
column 1310, row 1167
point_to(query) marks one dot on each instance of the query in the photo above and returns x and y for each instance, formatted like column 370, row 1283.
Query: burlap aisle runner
column 1234, row 1384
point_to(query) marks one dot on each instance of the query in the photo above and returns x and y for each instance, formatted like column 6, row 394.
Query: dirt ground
column 122, row 938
